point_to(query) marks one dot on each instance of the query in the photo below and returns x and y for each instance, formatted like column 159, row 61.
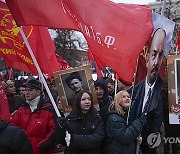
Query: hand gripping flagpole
column 39, row 72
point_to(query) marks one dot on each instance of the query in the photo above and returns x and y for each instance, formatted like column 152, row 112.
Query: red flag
column 14, row 51
column 178, row 39
column 4, row 107
column 116, row 44
column 141, row 68
column 97, row 65
column 10, row 74
column 62, row 63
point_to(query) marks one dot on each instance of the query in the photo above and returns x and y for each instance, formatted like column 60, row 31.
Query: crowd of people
column 121, row 125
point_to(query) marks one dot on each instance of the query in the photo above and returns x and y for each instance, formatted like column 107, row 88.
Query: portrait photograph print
column 72, row 81
column 173, row 88
column 177, row 80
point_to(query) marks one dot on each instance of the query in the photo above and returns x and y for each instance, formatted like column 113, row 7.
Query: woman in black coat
column 122, row 138
column 85, row 128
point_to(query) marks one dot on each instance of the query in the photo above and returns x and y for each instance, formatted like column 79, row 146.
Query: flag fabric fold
column 62, row 63
column 116, row 33
column 98, row 66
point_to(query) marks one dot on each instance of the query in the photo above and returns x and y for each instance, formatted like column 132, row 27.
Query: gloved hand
column 68, row 138
column 61, row 122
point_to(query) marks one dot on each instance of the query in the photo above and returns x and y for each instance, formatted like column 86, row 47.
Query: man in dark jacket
column 13, row 140
column 111, row 87
column 146, row 95
column 104, row 99
column 14, row 101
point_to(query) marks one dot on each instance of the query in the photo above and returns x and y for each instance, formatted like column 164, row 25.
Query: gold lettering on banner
column 88, row 30
column 7, row 51
column 25, row 58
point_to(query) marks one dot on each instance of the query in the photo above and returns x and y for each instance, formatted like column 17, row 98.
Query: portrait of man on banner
column 177, row 80
column 146, row 96
column 174, row 88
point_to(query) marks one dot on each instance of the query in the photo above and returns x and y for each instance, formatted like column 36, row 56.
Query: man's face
column 54, row 87
column 22, row 91
column 110, row 87
column 76, row 85
column 11, row 89
column 120, row 86
column 155, row 56
column 31, row 94
column 99, row 92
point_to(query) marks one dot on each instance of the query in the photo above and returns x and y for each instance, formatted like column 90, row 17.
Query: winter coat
column 155, row 114
column 105, row 102
column 87, row 133
column 39, row 125
column 13, row 140
column 15, row 101
column 120, row 137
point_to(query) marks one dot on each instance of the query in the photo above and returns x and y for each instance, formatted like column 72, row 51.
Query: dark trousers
column 147, row 150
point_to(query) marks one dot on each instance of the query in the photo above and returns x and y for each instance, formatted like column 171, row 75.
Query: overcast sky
column 133, row 1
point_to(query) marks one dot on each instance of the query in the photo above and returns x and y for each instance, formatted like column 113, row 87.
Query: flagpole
column 163, row 7
column 133, row 85
column 39, row 71
column 116, row 82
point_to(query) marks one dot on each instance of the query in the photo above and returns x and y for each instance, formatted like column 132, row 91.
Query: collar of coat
column 76, row 115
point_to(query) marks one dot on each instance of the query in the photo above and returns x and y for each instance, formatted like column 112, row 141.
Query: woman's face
column 126, row 100
column 85, row 103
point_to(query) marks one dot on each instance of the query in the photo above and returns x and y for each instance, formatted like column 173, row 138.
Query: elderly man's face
column 155, row 56
column 76, row 85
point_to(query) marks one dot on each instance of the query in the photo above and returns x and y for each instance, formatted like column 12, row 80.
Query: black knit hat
column 33, row 84
column 74, row 75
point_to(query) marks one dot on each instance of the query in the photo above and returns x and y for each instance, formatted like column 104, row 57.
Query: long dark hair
column 77, row 104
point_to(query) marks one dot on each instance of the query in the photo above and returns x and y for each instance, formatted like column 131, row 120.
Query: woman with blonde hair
column 122, row 138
